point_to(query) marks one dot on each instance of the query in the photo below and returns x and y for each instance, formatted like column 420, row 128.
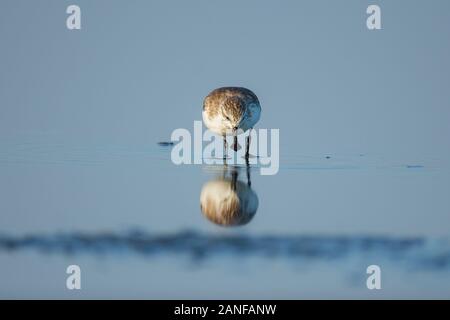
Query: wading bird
column 228, row 109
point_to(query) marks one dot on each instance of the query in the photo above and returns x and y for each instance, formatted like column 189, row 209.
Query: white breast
column 219, row 125
column 216, row 124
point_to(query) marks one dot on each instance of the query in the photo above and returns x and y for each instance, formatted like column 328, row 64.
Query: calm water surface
column 132, row 220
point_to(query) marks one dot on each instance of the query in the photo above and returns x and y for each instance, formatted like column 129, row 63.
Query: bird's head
column 232, row 113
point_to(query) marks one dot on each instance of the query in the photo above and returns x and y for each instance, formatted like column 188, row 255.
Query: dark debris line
column 418, row 252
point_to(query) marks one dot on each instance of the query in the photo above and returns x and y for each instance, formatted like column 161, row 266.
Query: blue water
column 131, row 219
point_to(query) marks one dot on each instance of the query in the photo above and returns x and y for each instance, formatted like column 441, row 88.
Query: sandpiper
column 228, row 109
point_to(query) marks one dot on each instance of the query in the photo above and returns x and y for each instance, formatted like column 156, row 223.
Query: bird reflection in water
column 227, row 200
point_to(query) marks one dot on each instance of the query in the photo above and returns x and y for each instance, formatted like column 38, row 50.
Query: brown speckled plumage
column 229, row 111
column 234, row 99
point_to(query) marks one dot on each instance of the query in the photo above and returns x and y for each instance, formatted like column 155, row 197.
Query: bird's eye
column 228, row 118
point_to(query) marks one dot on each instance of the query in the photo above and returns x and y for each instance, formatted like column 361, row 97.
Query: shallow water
column 132, row 220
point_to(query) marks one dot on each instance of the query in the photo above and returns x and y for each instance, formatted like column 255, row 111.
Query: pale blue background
column 138, row 69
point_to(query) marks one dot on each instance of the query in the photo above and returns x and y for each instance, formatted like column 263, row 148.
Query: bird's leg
column 225, row 147
column 234, row 176
column 247, row 144
column 249, row 181
column 235, row 141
